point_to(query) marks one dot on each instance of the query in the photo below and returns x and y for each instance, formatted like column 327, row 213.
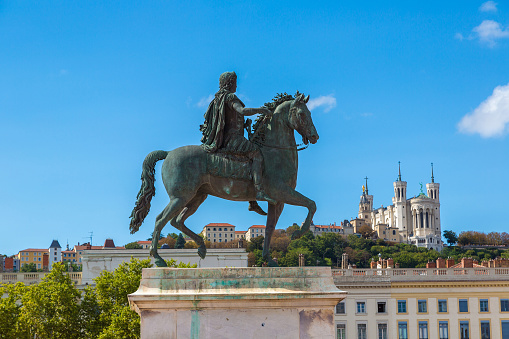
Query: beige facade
column 343, row 229
column 219, row 232
column 255, row 231
column 452, row 303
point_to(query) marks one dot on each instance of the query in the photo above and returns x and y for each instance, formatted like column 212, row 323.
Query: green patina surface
column 195, row 324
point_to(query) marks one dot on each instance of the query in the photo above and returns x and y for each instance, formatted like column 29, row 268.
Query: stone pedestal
column 286, row 302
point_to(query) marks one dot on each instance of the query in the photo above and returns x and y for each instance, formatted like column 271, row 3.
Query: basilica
column 414, row 220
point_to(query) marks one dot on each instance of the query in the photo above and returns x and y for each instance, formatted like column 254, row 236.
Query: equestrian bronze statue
column 229, row 166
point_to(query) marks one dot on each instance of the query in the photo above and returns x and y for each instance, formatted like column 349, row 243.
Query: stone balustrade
column 29, row 278
column 420, row 274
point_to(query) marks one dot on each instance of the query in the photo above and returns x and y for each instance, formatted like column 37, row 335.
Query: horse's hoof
column 160, row 262
column 202, row 251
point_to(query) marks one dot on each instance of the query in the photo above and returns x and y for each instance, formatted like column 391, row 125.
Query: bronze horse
column 188, row 179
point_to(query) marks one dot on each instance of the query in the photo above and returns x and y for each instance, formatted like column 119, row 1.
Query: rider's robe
column 223, row 128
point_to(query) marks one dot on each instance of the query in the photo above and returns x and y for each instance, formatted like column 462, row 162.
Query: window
column 402, row 330
column 485, row 329
column 421, row 306
column 505, row 329
column 231, row 229
column 504, row 305
column 361, row 307
column 443, row 329
column 214, row 235
column 401, row 306
column 463, row 305
column 423, row 330
column 214, row 228
column 361, row 331
column 219, row 239
column 464, row 330
column 381, row 307
column 340, row 308
column 483, row 305
column 219, row 235
column 225, row 240
column 340, row 331
column 442, row 305
column 382, row 331
column 220, row 229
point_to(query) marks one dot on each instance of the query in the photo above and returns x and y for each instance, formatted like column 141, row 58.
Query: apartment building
column 462, row 301
column 255, row 231
column 219, row 232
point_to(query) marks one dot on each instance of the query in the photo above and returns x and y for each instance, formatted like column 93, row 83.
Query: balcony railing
column 34, row 277
column 420, row 274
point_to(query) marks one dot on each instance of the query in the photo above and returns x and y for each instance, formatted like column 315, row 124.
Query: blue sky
column 88, row 89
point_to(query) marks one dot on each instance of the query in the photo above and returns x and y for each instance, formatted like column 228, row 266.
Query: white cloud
column 488, row 6
column 491, row 118
column 205, row 101
column 328, row 101
column 459, row 36
column 489, row 31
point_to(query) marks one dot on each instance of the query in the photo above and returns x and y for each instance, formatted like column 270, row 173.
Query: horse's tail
column 147, row 190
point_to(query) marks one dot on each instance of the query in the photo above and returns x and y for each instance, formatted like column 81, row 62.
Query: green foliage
column 55, row 308
column 133, row 246
column 255, row 244
column 51, row 308
column 10, row 309
column 31, row 267
column 451, row 237
column 181, row 242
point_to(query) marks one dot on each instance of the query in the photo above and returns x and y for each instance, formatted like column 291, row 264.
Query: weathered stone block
column 293, row 302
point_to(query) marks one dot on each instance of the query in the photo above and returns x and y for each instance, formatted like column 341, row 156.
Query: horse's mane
column 259, row 126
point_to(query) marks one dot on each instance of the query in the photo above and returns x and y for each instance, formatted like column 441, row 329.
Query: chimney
column 467, row 263
column 396, row 265
column 441, row 263
column 431, row 264
column 390, row 263
column 372, row 264
column 450, row 262
column 384, row 263
column 485, row 263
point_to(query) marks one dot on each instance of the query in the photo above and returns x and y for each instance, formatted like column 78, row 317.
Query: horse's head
column 300, row 119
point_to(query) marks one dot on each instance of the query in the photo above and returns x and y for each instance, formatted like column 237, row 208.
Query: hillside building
column 414, row 220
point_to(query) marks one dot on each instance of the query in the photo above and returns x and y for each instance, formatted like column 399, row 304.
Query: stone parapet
column 254, row 302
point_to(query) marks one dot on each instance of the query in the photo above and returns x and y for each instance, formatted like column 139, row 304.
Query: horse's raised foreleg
column 170, row 211
column 178, row 222
column 274, row 211
column 290, row 196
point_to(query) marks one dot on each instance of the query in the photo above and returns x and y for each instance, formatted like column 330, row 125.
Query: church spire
column 399, row 170
column 432, row 177
column 366, row 185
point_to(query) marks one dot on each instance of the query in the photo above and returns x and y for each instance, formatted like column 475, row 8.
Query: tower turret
column 399, row 201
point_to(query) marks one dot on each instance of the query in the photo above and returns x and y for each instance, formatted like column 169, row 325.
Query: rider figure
column 223, row 130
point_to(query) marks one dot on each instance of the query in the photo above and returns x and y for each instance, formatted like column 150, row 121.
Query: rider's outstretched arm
column 249, row 111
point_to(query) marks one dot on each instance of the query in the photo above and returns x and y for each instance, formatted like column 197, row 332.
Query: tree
column 133, row 246
column 31, row 267
column 10, row 309
column 50, row 309
column 255, row 243
column 366, row 231
column 181, row 242
column 451, row 237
